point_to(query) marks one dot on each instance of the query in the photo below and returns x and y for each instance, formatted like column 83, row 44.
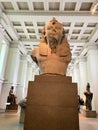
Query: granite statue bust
column 89, row 96
column 53, row 53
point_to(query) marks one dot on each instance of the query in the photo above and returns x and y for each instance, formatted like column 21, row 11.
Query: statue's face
column 54, row 29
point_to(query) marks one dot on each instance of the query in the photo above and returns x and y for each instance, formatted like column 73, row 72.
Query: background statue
column 80, row 102
column 89, row 97
column 53, row 53
column 11, row 98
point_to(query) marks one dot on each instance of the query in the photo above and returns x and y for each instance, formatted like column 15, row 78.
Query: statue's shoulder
column 44, row 49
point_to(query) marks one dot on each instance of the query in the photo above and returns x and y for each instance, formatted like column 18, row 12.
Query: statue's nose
column 54, row 29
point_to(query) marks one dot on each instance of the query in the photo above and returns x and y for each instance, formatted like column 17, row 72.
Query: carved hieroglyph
column 53, row 53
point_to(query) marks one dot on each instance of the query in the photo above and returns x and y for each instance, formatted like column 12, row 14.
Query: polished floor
column 10, row 121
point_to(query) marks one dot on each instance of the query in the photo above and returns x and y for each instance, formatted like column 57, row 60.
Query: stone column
column 11, row 73
column 83, row 75
column 28, row 76
column 36, row 70
column 92, row 69
column 76, row 76
column 20, row 92
column 0, row 44
column 3, row 59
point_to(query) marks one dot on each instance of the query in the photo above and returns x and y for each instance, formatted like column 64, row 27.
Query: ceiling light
column 94, row 8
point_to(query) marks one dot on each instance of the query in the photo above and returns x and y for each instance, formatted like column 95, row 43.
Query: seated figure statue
column 11, row 98
column 53, row 53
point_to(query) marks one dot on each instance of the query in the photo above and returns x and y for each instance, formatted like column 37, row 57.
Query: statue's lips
column 54, row 36
column 53, row 33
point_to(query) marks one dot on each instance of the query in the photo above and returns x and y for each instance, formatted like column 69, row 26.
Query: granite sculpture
column 53, row 53
column 11, row 100
column 89, row 96
column 48, row 106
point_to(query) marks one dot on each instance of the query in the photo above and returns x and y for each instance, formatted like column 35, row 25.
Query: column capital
column 76, row 64
column 82, row 59
column 92, row 49
column 1, row 80
column 14, row 44
column 23, row 57
column 29, row 64
column 4, row 42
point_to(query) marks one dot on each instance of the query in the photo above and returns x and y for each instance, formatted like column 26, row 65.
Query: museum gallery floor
column 10, row 121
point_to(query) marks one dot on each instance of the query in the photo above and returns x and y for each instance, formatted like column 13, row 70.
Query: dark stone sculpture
column 11, row 100
column 80, row 102
column 89, row 97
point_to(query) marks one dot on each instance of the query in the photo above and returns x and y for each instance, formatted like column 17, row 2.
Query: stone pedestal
column 52, row 104
column 89, row 114
column 11, row 107
column 22, row 115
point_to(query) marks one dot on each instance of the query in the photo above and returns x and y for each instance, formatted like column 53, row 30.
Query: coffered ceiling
column 22, row 20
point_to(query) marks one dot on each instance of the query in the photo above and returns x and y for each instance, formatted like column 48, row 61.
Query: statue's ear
column 43, row 31
column 63, row 32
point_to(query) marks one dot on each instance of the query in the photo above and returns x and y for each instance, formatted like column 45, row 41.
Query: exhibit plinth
column 90, row 114
column 52, row 104
column 12, row 107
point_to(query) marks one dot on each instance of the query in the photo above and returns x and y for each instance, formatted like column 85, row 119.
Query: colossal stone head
column 53, row 53
column 54, row 29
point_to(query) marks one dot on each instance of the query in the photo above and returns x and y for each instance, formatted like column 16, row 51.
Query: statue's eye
column 58, row 28
column 49, row 28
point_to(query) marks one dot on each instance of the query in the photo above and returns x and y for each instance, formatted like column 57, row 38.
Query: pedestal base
column 52, row 104
column 12, row 107
column 22, row 115
column 89, row 114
